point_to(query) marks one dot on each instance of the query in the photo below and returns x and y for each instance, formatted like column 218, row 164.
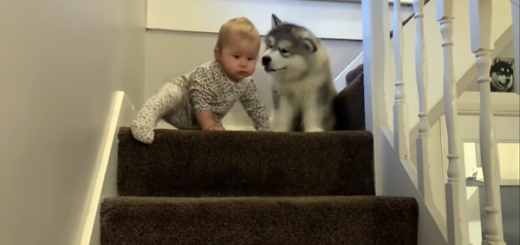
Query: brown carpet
column 256, row 188
column 259, row 221
column 238, row 163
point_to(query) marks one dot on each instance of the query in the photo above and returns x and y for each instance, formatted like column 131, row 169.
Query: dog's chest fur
column 297, row 92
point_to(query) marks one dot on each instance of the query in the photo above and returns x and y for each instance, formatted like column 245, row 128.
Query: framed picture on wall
column 502, row 78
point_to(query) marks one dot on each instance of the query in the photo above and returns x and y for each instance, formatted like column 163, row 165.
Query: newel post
column 375, row 36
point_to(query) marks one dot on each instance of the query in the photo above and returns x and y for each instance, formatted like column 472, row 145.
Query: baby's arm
column 206, row 121
column 199, row 95
column 254, row 107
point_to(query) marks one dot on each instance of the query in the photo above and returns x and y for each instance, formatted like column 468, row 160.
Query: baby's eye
column 250, row 59
column 236, row 56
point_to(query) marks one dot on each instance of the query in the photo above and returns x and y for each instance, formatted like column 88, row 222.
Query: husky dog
column 303, row 89
column 502, row 76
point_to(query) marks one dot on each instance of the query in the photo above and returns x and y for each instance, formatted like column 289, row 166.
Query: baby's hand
column 214, row 127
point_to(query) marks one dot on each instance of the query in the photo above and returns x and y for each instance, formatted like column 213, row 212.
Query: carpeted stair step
column 241, row 163
column 335, row 220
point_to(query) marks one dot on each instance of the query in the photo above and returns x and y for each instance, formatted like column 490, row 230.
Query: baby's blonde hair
column 240, row 26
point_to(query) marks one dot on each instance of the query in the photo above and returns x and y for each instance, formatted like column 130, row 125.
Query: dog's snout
column 508, row 80
column 266, row 60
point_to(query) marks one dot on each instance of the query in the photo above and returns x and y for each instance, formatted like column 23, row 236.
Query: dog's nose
column 266, row 60
column 508, row 80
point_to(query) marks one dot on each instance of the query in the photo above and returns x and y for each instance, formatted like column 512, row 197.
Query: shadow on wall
column 172, row 53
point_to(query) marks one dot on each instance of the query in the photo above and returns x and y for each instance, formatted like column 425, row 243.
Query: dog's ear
column 275, row 21
column 496, row 61
column 310, row 45
column 511, row 62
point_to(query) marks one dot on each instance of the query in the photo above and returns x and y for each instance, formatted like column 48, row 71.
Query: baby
column 201, row 98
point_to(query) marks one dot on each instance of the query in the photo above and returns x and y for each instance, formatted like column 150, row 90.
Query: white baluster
column 480, row 14
column 401, row 133
column 424, row 126
column 456, row 202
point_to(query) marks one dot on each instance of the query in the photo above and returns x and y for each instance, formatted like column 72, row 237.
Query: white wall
column 327, row 19
column 60, row 62
column 509, row 159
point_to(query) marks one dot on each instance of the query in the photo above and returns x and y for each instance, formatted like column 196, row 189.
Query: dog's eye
column 284, row 51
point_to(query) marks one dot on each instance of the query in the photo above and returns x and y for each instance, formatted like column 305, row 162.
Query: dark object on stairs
column 349, row 104
column 256, row 188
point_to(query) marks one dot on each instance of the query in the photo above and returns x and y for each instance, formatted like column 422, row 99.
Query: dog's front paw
column 278, row 125
column 314, row 129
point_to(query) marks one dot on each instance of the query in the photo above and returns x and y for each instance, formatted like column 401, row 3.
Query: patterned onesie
column 205, row 88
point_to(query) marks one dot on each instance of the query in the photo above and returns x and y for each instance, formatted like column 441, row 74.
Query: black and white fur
column 502, row 76
column 303, row 87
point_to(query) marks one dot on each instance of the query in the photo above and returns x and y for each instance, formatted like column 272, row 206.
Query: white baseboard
column 339, row 82
column 122, row 112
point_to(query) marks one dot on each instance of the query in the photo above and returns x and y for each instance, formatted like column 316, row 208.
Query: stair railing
column 455, row 189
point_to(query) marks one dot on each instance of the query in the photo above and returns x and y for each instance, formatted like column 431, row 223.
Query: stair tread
column 347, row 200
column 245, row 163
column 320, row 220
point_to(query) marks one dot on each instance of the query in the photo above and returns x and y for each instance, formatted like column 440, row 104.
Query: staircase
column 240, row 187
column 271, row 188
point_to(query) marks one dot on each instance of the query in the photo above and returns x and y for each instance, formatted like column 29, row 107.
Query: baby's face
column 239, row 58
